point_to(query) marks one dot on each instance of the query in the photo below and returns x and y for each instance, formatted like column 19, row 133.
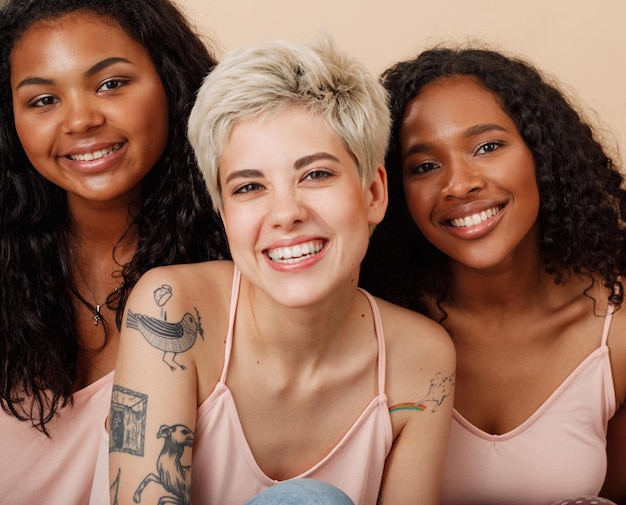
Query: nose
column 461, row 179
column 81, row 114
column 287, row 210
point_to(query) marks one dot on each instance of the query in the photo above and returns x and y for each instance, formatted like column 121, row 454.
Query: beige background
column 581, row 42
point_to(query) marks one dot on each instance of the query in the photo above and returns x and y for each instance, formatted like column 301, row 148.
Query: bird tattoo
column 171, row 338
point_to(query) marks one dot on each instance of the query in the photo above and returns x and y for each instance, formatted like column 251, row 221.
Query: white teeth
column 96, row 155
column 295, row 253
column 474, row 219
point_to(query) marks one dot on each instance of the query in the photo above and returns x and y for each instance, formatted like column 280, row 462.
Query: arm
column 422, row 376
column 615, row 484
column 154, row 401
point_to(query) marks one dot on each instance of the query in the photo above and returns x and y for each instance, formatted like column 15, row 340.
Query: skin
column 266, row 214
column 81, row 86
column 303, row 348
column 463, row 155
column 517, row 334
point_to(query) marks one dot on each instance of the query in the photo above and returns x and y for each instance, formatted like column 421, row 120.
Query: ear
column 377, row 198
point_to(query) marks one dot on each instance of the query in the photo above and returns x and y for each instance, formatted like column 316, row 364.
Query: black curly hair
column 175, row 222
column 582, row 201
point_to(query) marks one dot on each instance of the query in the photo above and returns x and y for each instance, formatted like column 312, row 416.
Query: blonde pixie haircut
column 272, row 76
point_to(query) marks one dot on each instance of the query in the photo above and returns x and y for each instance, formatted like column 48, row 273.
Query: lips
column 295, row 253
column 475, row 219
column 96, row 154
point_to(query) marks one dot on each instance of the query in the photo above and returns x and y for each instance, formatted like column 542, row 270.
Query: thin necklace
column 97, row 314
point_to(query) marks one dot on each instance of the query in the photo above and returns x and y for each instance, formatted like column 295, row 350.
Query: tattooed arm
column 154, row 401
column 420, row 390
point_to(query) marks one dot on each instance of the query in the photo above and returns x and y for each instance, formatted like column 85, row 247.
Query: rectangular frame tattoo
column 127, row 421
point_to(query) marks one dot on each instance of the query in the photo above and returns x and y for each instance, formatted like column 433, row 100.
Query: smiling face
column 89, row 106
column 469, row 178
column 294, row 207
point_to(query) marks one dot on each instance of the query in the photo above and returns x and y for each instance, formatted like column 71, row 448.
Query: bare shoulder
column 160, row 284
column 421, row 360
column 198, row 292
column 410, row 334
column 617, row 346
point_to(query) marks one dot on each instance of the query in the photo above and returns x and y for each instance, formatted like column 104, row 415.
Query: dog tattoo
column 171, row 474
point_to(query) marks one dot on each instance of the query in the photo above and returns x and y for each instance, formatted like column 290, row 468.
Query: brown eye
column 44, row 101
column 422, row 168
column 489, row 147
column 111, row 84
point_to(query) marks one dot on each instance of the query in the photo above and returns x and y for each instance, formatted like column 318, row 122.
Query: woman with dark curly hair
column 98, row 184
column 506, row 225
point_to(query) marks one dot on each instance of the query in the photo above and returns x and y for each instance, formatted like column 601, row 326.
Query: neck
column 97, row 255
column 101, row 242
column 302, row 335
column 517, row 283
column 99, row 225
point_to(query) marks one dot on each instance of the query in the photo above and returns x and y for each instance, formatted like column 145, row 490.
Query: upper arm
column 424, row 379
column 615, row 483
column 153, row 406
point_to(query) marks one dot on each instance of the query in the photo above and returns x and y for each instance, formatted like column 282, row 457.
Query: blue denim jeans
column 301, row 492
column 584, row 500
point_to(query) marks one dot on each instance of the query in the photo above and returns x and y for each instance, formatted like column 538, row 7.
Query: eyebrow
column 312, row 158
column 482, row 128
column 104, row 64
column 243, row 174
column 101, row 65
column 298, row 165
column 470, row 132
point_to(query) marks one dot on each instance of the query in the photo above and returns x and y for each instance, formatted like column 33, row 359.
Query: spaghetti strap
column 380, row 339
column 234, row 296
column 607, row 321
column 607, row 324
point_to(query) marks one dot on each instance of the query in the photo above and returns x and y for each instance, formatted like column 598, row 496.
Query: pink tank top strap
column 234, row 296
column 608, row 319
column 607, row 324
column 380, row 339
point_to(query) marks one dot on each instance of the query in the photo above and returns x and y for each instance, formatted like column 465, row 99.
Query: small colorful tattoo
column 407, row 406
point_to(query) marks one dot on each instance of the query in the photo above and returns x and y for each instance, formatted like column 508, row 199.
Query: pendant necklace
column 97, row 314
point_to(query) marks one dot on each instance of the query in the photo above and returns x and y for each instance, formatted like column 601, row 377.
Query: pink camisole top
column 58, row 469
column 224, row 470
column 559, row 451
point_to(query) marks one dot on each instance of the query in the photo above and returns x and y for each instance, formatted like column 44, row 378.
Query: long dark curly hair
column 582, row 201
column 175, row 222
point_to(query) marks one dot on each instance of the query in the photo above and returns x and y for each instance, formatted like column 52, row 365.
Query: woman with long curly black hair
column 506, row 225
column 98, row 184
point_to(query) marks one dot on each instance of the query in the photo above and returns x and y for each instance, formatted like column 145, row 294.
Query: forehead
column 53, row 44
column 285, row 133
column 453, row 102
column 71, row 23
column 456, row 94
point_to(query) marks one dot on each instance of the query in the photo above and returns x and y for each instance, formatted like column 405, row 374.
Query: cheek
column 157, row 117
column 38, row 147
column 238, row 225
column 418, row 203
column 33, row 135
column 151, row 120
column 526, row 182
